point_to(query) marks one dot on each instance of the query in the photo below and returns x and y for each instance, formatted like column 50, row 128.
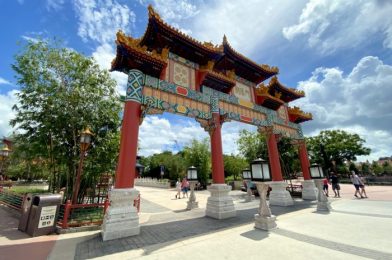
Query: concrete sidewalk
column 355, row 229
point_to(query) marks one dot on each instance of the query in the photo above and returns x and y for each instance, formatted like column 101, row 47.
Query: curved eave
column 299, row 117
column 128, row 58
column 160, row 34
column 217, row 81
column 258, row 73
column 288, row 94
column 269, row 101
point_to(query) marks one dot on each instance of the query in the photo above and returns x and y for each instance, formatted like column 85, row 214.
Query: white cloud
column 174, row 10
column 359, row 101
column 251, row 27
column 4, row 81
column 7, row 101
column 54, row 5
column 332, row 24
column 158, row 134
column 100, row 20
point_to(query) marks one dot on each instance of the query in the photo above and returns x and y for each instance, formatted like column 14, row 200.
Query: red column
column 126, row 167
column 218, row 174
column 304, row 159
column 273, row 155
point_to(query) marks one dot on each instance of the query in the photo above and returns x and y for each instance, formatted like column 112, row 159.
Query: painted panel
column 242, row 91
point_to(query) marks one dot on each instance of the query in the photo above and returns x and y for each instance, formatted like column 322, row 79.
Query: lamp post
column 85, row 140
column 247, row 176
column 4, row 153
column 192, row 178
column 260, row 174
column 317, row 174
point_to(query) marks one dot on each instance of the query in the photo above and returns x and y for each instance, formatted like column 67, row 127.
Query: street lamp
column 316, row 171
column 247, row 176
column 317, row 174
column 192, row 178
column 4, row 153
column 85, row 140
column 260, row 174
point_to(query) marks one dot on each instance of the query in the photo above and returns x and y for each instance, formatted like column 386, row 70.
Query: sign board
column 48, row 215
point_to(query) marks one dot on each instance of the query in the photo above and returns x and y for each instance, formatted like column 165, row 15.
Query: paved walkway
column 355, row 229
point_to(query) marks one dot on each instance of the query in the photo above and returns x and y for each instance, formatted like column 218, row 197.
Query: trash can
column 26, row 206
column 43, row 214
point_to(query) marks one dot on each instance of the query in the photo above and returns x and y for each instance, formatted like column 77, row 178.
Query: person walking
column 335, row 185
column 362, row 186
column 357, row 183
column 184, row 187
column 325, row 186
column 178, row 189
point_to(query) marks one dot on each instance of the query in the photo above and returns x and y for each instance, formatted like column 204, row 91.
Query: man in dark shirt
column 335, row 185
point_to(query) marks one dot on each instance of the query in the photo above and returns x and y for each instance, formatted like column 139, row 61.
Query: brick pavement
column 174, row 231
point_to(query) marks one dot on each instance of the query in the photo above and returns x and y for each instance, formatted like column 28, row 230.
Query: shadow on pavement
column 170, row 232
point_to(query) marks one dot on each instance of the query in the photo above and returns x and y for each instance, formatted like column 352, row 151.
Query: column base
column 265, row 223
column 279, row 196
column 121, row 218
column 220, row 205
column 323, row 206
column 309, row 191
column 249, row 198
column 192, row 205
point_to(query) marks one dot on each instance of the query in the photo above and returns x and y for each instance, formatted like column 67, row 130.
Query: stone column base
column 324, row 206
column 265, row 223
column 309, row 191
column 249, row 198
column 121, row 218
column 220, row 205
column 192, row 205
column 279, row 196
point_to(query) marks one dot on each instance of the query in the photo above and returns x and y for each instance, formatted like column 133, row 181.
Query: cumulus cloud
column 332, row 25
column 158, row 134
column 100, row 20
column 172, row 10
column 6, row 103
column 359, row 101
column 251, row 27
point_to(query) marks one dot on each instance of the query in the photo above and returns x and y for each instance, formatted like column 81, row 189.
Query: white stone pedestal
column 264, row 219
column 121, row 218
column 220, row 205
column 323, row 205
column 192, row 203
column 309, row 191
column 249, row 196
column 279, row 196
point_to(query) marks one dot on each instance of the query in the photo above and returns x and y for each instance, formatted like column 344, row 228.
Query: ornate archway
column 169, row 71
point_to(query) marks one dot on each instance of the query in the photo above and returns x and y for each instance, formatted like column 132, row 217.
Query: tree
column 252, row 145
column 288, row 157
column 62, row 92
column 198, row 154
column 234, row 165
column 335, row 145
column 174, row 165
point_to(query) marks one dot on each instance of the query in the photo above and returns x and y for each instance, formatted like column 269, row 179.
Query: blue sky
column 338, row 52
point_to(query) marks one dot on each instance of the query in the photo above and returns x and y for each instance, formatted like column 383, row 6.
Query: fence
column 149, row 182
column 79, row 215
column 11, row 199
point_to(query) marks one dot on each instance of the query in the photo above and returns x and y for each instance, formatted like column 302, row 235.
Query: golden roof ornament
column 151, row 12
column 262, row 90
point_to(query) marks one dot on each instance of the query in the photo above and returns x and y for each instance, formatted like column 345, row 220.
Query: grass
column 24, row 190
